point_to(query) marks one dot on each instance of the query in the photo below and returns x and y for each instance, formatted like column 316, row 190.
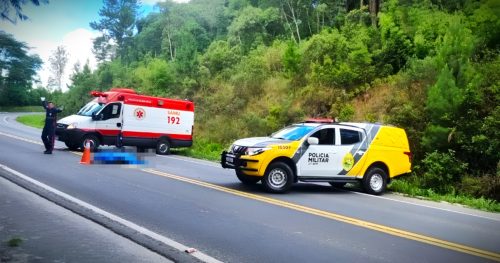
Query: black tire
column 337, row 184
column 92, row 140
column 163, row 147
column 278, row 178
column 247, row 179
column 72, row 146
column 375, row 181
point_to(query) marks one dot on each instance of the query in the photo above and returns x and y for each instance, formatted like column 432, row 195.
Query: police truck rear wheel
column 247, row 179
column 375, row 181
column 163, row 147
column 92, row 141
column 278, row 178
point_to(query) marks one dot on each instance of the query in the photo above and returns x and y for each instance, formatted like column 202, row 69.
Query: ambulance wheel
column 71, row 146
column 375, row 181
column 247, row 179
column 93, row 142
column 337, row 184
column 163, row 147
column 278, row 178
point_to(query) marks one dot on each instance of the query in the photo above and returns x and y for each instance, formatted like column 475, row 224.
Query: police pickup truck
column 321, row 150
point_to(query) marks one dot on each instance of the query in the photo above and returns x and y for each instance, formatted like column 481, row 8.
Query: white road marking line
column 20, row 138
column 428, row 206
column 160, row 238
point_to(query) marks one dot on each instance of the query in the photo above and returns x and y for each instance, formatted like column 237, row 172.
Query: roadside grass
column 203, row 149
column 15, row 242
column 410, row 189
column 33, row 120
column 22, row 109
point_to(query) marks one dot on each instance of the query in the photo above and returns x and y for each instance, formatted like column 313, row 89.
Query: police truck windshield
column 91, row 107
column 293, row 133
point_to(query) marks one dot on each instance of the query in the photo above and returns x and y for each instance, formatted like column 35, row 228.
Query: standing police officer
column 49, row 129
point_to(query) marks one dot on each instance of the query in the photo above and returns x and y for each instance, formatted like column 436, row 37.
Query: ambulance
column 321, row 150
column 121, row 117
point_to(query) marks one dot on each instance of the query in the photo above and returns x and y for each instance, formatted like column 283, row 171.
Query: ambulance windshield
column 293, row 133
column 91, row 107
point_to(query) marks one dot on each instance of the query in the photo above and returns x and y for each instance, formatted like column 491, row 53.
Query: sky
column 62, row 22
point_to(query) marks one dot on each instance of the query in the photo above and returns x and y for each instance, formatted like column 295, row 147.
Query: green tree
column 17, row 70
column 78, row 94
column 156, row 77
column 220, row 56
column 58, row 61
column 7, row 5
column 117, row 23
column 252, row 27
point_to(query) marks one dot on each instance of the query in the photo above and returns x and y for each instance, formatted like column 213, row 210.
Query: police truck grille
column 238, row 149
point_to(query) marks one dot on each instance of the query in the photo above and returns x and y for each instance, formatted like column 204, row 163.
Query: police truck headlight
column 71, row 126
column 255, row 151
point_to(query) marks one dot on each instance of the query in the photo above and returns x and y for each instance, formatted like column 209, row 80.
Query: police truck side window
column 349, row 136
column 325, row 136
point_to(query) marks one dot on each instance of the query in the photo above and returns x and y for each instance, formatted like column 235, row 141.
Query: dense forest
column 253, row 66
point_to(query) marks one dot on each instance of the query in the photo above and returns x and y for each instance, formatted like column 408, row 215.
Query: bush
column 441, row 171
column 482, row 186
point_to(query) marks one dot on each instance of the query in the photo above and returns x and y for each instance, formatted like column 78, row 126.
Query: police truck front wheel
column 278, row 178
column 163, row 147
column 375, row 181
column 247, row 179
column 92, row 141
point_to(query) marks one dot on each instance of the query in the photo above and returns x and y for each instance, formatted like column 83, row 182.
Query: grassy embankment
column 22, row 109
column 203, row 149
column 33, row 120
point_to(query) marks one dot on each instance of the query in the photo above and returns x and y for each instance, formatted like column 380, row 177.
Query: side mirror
column 313, row 141
column 97, row 117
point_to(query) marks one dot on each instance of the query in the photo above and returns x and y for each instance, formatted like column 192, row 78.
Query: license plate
column 229, row 159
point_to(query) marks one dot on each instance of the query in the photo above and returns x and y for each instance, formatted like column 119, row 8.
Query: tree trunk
column 295, row 21
column 374, row 7
column 170, row 46
column 288, row 23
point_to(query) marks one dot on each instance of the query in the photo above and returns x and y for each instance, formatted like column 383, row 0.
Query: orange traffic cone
column 86, row 154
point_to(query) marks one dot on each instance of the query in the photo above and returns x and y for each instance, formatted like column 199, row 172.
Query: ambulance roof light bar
column 320, row 120
column 96, row 93
column 123, row 90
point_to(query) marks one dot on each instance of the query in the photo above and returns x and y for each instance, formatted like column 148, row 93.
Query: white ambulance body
column 124, row 118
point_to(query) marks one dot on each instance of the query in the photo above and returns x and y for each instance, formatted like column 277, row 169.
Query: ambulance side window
column 349, row 136
column 111, row 111
column 325, row 136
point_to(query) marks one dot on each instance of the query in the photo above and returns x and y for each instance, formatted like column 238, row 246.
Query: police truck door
column 318, row 160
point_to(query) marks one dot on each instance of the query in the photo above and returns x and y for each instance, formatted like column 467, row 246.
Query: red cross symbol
column 139, row 113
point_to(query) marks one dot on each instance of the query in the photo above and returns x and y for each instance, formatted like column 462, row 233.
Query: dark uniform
column 49, row 129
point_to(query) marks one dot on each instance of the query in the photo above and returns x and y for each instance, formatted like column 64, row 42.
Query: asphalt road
column 201, row 205
column 43, row 228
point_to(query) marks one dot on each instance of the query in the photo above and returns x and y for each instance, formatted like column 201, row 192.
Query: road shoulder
column 39, row 230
